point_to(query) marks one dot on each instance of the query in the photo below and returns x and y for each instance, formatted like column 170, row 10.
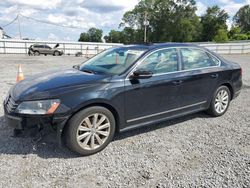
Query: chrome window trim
column 178, row 71
column 165, row 112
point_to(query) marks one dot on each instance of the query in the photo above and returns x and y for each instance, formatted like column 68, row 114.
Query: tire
column 80, row 136
column 56, row 53
column 221, row 97
column 36, row 53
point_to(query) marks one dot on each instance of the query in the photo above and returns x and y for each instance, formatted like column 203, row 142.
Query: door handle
column 215, row 75
column 177, row 82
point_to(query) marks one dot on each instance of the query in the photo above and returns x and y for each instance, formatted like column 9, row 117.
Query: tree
column 221, row 36
column 234, row 31
column 212, row 21
column 114, row 37
column 172, row 20
column 130, row 36
column 126, row 36
column 84, row 37
column 241, row 36
column 248, row 35
column 242, row 18
column 93, row 35
column 235, row 34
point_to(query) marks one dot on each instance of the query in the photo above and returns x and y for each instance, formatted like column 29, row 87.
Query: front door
column 152, row 98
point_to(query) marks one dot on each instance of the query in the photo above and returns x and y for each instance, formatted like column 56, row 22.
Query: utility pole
column 146, row 23
column 20, row 35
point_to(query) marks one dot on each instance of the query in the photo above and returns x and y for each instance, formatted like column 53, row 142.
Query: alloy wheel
column 93, row 131
column 221, row 101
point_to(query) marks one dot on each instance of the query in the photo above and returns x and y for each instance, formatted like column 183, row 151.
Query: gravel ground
column 192, row 151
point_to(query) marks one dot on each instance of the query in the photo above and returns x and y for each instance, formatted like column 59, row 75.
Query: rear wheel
column 90, row 130
column 220, row 101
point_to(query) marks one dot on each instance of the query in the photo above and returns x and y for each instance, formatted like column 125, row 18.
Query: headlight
column 38, row 107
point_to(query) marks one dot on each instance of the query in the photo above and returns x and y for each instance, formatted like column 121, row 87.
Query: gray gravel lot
column 194, row 150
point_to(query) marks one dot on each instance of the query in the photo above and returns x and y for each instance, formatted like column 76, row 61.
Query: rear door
column 41, row 48
column 199, row 75
column 47, row 49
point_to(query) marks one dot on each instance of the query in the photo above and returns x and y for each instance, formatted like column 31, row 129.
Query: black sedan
column 121, row 89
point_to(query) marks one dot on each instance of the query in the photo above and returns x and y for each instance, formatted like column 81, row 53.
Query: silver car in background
column 38, row 49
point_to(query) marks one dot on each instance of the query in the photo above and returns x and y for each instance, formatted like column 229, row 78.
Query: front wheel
column 56, row 53
column 90, row 130
column 220, row 101
column 36, row 53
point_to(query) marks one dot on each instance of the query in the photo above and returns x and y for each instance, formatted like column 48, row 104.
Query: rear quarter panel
column 231, row 74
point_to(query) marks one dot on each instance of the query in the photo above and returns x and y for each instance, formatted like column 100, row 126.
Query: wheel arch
column 106, row 105
column 56, row 51
column 111, row 109
column 230, row 87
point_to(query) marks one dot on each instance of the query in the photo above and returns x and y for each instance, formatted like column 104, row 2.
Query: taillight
column 241, row 71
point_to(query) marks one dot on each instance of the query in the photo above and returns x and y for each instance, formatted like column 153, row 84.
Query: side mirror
column 141, row 74
column 76, row 67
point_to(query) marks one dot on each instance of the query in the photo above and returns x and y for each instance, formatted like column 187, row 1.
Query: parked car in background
column 121, row 89
column 78, row 54
column 38, row 49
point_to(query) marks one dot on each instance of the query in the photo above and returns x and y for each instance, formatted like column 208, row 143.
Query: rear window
column 196, row 58
column 47, row 47
column 215, row 61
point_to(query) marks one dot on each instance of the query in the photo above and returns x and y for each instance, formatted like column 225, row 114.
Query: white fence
column 229, row 48
column 11, row 46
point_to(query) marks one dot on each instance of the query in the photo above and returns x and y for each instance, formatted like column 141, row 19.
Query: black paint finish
column 134, row 102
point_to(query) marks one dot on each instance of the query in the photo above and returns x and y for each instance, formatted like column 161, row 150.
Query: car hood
column 52, row 83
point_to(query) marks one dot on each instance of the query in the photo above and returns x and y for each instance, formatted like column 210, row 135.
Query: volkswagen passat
column 121, row 89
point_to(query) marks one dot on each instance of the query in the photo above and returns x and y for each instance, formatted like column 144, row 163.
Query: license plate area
column 14, row 122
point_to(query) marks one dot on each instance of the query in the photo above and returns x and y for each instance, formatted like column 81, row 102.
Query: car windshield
column 112, row 61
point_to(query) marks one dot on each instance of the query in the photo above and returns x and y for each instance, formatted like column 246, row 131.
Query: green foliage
column 93, row 35
column 221, row 36
column 213, row 22
column 233, row 32
column 248, row 35
column 114, row 37
column 126, row 36
column 84, row 37
column 240, row 37
column 170, row 20
column 174, row 21
column 242, row 18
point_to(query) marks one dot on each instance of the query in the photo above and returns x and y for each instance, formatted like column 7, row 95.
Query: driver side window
column 160, row 62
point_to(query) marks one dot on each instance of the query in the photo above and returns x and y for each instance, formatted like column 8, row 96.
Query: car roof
column 154, row 46
column 40, row 44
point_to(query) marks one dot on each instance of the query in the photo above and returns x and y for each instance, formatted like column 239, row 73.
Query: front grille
column 10, row 104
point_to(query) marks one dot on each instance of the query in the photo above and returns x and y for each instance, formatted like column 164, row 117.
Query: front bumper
column 27, row 122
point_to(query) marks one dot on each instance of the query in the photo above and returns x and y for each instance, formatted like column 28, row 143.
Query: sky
column 80, row 15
